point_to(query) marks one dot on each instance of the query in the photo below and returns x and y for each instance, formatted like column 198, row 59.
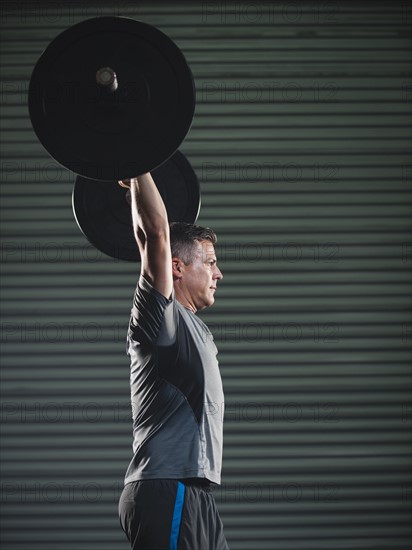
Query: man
column 176, row 389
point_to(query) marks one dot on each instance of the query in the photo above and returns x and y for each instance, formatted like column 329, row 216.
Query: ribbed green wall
column 301, row 140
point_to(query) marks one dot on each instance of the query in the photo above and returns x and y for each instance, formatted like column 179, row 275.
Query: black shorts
column 167, row 514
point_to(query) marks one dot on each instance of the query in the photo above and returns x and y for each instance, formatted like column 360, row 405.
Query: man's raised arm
column 151, row 230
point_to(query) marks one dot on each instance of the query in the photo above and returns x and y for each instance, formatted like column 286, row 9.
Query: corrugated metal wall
column 301, row 139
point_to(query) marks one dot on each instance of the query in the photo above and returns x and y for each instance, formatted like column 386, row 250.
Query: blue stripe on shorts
column 177, row 515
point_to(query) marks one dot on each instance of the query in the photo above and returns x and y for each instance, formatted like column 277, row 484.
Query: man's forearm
column 148, row 210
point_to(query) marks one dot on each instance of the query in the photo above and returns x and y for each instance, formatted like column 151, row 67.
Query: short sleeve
column 153, row 316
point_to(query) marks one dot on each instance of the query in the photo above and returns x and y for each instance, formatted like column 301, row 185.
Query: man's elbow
column 156, row 232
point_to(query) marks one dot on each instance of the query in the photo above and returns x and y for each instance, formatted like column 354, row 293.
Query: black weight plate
column 102, row 208
column 111, row 136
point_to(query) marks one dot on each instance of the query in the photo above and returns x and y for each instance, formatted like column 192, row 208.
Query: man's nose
column 218, row 274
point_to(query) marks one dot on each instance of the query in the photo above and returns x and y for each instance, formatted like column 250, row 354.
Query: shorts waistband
column 200, row 482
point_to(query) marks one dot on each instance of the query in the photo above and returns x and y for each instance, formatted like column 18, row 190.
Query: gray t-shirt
column 176, row 391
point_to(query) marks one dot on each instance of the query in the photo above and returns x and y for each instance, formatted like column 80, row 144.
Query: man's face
column 199, row 279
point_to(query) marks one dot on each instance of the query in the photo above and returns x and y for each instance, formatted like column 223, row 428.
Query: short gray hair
column 183, row 239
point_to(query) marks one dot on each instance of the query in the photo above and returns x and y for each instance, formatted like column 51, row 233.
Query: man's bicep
column 156, row 265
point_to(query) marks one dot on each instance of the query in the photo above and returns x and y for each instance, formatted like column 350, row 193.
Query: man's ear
column 177, row 266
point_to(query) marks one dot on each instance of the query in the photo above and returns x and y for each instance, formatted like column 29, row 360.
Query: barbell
column 111, row 98
column 102, row 208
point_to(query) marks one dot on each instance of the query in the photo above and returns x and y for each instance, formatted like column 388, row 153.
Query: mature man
column 176, row 389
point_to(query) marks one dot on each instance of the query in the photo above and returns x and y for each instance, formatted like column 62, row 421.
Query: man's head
column 184, row 238
column 195, row 271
